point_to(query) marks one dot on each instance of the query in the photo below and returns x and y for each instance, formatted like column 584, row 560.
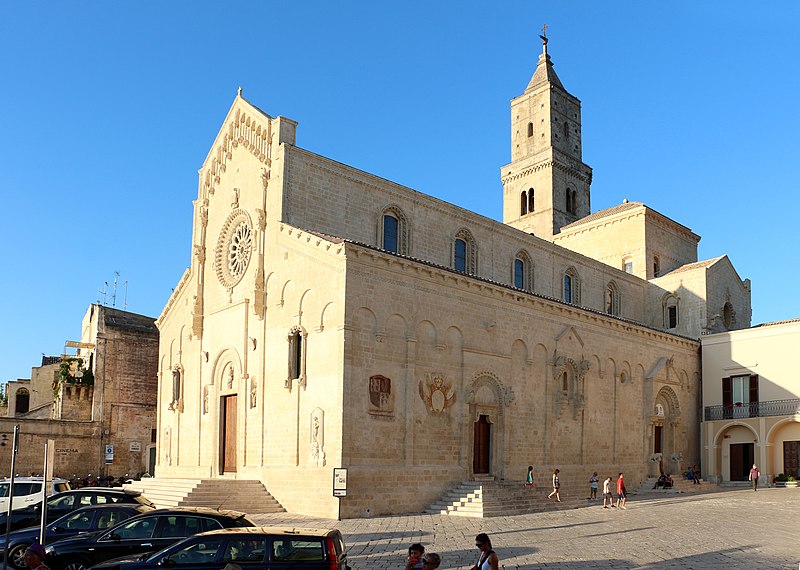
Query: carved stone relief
column 381, row 402
column 317, row 437
column 437, row 392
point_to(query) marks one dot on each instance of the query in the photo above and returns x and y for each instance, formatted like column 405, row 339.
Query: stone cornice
column 471, row 284
column 550, row 163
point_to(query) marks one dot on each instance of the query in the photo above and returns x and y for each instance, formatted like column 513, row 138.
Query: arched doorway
column 736, row 445
column 486, row 425
column 664, row 443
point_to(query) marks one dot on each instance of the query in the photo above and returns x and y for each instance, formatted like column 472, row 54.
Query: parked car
column 256, row 548
column 62, row 503
column 81, row 521
column 145, row 533
column 27, row 491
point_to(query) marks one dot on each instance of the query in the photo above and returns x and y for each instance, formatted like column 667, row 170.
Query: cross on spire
column 544, row 39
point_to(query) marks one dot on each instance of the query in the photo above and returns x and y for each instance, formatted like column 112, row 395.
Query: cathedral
column 331, row 318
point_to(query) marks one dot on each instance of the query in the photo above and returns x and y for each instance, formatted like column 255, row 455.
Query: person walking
column 622, row 496
column 607, row 496
column 754, row 475
column 593, row 486
column 488, row 559
column 529, row 478
column 556, row 486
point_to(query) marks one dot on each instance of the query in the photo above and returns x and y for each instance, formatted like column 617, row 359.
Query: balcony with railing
column 753, row 410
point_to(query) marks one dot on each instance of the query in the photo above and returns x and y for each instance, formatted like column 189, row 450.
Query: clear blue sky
column 107, row 110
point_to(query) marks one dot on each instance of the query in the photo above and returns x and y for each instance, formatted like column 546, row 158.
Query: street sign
column 109, row 453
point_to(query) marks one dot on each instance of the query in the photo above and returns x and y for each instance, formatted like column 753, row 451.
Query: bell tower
column 546, row 186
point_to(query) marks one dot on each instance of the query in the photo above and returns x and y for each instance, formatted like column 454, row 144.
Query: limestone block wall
column 673, row 244
column 725, row 286
column 77, row 446
column 335, row 199
column 428, row 352
column 74, row 402
column 690, row 287
column 287, row 430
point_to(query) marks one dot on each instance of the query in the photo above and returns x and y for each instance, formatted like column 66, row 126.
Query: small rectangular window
column 628, row 267
column 672, row 315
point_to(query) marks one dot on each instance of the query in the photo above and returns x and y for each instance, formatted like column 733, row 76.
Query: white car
column 28, row 491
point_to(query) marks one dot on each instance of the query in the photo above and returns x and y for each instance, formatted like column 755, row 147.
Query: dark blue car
column 81, row 521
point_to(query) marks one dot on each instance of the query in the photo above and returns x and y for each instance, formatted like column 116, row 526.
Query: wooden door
column 658, row 439
column 229, row 434
column 741, row 455
column 791, row 449
column 481, row 448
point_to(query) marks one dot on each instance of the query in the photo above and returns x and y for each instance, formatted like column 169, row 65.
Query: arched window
column 464, row 252
column 612, row 299
column 530, row 129
column 566, row 129
column 393, row 233
column 523, row 271
column 530, row 200
column 572, row 201
column 523, row 203
column 656, row 266
column 23, row 401
column 569, row 200
column 571, row 286
column 670, row 304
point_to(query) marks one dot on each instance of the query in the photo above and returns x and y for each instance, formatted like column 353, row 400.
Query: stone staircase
column 492, row 499
column 247, row 496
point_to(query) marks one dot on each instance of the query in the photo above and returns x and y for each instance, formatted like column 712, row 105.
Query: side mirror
column 166, row 562
column 56, row 529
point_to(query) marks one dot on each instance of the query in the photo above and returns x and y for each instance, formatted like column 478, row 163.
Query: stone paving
column 718, row 529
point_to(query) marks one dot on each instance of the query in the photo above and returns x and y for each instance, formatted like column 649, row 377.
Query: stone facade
column 118, row 409
column 751, row 397
column 331, row 318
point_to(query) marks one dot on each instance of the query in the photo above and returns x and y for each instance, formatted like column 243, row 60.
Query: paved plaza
column 721, row 529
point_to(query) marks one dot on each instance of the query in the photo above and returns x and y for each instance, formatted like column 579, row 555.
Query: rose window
column 234, row 248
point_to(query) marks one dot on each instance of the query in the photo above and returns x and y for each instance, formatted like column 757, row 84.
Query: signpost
column 47, row 484
column 109, row 454
column 340, row 486
column 14, row 448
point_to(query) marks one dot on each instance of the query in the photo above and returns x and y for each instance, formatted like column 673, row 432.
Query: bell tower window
column 523, row 203
column 530, row 129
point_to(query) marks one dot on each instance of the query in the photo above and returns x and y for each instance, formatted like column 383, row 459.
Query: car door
column 199, row 553
column 132, row 537
column 295, row 552
column 172, row 528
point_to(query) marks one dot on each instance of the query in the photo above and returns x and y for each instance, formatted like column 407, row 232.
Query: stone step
column 245, row 495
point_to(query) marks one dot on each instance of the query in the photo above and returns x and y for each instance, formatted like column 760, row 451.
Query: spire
column 544, row 68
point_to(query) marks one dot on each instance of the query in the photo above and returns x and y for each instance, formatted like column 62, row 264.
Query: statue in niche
column 167, row 445
column 253, row 396
column 230, row 378
column 205, row 399
column 437, row 392
column 317, row 437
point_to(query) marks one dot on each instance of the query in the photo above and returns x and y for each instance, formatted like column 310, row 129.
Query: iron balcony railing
column 753, row 410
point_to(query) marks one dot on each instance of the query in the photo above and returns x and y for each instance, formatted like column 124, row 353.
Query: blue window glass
column 460, row 255
column 390, row 233
column 568, row 288
column 519, row 274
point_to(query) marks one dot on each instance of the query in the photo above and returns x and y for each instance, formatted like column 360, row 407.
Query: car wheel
column 74, row 565
column 16, row 556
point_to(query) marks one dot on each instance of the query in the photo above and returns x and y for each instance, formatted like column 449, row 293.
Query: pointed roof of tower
column 544, row 70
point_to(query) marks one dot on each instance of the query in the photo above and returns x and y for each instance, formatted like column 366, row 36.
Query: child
column 593, row 487
column 414, row 560
column 529, row 480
